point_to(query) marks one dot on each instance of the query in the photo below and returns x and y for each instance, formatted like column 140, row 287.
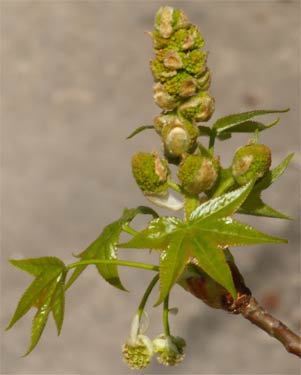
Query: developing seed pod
column 179, row 139
column 198, row 174
column 251, row 161
column 150, row 172
column 198, row 108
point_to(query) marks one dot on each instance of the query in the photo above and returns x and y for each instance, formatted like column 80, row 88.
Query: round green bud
column 163, row 99
column 195, row 62
column 163, row 120
column 150, row 172
column 160, row 71
column 182, row 84
column 198, row 174
column 170, row 349
column 198, row 108
column 138, row 353
column 179, row 139
column 168, row 20
column 173, row 60
column 251, row 161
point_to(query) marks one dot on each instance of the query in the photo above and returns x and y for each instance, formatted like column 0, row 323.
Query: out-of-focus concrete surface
column 75, row 82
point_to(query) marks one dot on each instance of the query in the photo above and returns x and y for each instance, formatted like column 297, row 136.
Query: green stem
column 174, row 186
column 226, row 185
column 211, row 143
column 129, row 230
column 165, row 317
column 146, row 295
column 191, row 203
column 144, row 266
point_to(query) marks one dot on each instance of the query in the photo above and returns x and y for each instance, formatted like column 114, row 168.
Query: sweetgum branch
column 245, row 304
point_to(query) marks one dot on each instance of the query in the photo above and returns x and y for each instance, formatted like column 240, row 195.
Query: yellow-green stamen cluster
column 198, row 174
column 251, row 161
column 138, row 353
column 150, row 172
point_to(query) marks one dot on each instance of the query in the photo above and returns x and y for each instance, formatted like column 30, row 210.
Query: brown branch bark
column 274, row 327
column 203, row 287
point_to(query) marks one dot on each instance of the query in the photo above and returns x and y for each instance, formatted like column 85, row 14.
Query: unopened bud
column 179, row 139
column 198, row 108
column 163, row 99
column 251, row 161
column 198, row 174
column 150, row 172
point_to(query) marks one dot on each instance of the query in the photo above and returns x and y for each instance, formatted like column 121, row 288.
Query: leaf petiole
column 165, row 316
column 146, row 295
column 129, row 230
column 150, row 267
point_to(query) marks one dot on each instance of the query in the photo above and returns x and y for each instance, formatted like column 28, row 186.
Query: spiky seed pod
column 138, row 353
column 170, row 349
column 251, row 161
column 168, row 20
column 198, row 108
column 179, row 139
column 150, row 172
column 198, row 174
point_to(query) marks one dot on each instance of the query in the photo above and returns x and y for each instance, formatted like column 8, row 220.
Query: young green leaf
column 58, row 303
column 105, row 247
column 172, row 263
column 228, row 232
column 273, row 175
column 139, row 130
column 156, row 235
column 255, row 206
column 35, row 266
column 37, row 289
column 212, row 260
column 244, row 127
column 224, row 205
column 41, row 317
column 226, row 123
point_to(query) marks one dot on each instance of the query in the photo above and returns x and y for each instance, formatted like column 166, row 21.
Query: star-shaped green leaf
column 46, row 293
column 209, row 229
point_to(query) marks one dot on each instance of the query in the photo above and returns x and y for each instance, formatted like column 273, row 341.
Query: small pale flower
column 138, row 353
column 170, row 349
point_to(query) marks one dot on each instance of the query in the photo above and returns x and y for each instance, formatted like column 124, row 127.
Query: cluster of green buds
column 182, row 80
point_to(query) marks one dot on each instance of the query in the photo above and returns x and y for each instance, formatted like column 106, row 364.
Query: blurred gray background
column 75, row 83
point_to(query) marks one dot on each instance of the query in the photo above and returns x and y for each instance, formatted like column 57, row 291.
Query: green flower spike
column 198, row 174
column 150, row 172
column 138, row 349
column 170, row 349
column 249, row 161
column 179, row 139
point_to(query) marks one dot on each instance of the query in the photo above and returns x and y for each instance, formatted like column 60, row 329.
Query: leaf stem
column 174, row 186
column 146, row 295
column 129, row 230
column 165, row 316
column 211, row 143
column 125, row 263
column 227, row 184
